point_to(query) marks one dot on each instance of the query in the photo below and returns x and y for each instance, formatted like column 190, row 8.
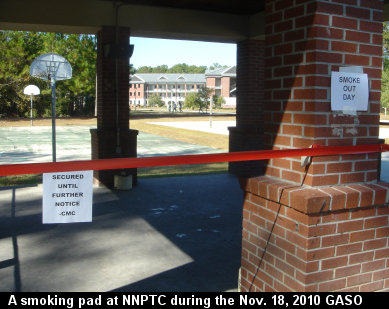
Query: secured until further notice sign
column 349, row 91
column 67, row 197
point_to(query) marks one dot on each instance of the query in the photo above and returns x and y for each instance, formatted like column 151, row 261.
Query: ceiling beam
column 87, row 16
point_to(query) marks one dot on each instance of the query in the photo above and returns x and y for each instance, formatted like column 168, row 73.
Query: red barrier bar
column 122, row 163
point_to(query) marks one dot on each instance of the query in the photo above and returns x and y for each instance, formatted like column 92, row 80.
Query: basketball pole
column 53, row 140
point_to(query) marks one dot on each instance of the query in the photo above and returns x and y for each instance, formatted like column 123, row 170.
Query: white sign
column 349, row 91
column 67, row 197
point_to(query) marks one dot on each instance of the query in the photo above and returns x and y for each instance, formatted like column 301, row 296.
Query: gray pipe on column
column 118, row 146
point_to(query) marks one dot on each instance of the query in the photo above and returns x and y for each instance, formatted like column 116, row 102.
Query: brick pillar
column 323, row 227
column 225, row 84
column 248, row 133
column 112, row 124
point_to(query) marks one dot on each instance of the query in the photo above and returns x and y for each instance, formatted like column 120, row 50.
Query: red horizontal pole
column 122, row 163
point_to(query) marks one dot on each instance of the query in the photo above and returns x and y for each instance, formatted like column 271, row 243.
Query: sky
column 154, row 52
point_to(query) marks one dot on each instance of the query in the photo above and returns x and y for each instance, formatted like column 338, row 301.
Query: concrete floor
column 167, row 234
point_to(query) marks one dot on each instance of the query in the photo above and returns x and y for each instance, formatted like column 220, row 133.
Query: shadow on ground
column 167, row 234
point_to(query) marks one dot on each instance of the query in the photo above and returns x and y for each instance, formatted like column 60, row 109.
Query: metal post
column 210, row 114
column 53, row 141
column 31, row 109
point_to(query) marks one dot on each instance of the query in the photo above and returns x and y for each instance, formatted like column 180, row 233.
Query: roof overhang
column 216, row 20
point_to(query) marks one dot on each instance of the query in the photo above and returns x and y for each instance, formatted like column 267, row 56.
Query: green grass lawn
column 160, row 171
column 183, row 170
column 20, row 180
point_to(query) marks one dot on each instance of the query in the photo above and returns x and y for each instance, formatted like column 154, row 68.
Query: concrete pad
column 33, row 144
column 216, row 127
column 385, row 167
column 167, row 234
column 384, row 132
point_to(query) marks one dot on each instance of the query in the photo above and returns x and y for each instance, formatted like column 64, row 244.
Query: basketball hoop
column 51, row 67
column 31, row 90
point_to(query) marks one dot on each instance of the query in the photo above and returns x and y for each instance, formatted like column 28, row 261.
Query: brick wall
column 225, row 84
column 248, row 133
column 250, row 83
column 106, row 86
column 106, row 137
column 314, row 240
column 211, row 82
column 324, row 227
column 305, row 41
column 140, row 91
column 104, row 147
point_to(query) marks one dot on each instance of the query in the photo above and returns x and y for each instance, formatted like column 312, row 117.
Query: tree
column 385, row 37
column 76, row 95
column 18, row 49
column 198, row 99
column 132, row 69
column 188, row 69
column 155, row 100
column 385, row 71
column 216, row 65
column 193, row 101
column 204, row 95
column 218, row 101
column 177, row 68
column 144, row 69
column 385, row 90
column 161, row 69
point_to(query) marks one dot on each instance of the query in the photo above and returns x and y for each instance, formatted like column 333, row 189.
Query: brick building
column 173, row 87
column 223, row 81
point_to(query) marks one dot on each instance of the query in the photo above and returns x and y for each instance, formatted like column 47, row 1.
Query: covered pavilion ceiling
column 215, row 20
column 243, row 7
column 206, row 20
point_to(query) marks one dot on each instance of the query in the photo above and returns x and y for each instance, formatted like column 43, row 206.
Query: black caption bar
column 193, row 300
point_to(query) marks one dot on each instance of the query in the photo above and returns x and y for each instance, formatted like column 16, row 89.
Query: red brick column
column 314, row 239
column 324, row 227
column 248, row 133
column 225, row 84
column 304, row 44
column 113, row 124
